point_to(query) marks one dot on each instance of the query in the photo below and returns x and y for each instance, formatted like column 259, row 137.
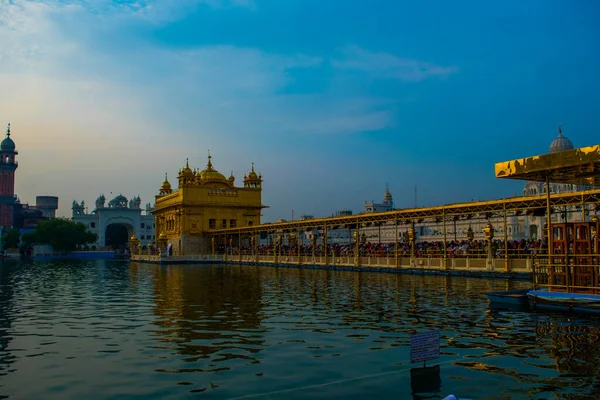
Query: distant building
column 26, row 217
column 116, row 222
column 343, row 213
column 386, row 205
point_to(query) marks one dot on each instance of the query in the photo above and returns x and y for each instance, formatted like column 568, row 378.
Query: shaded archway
column 117, row 236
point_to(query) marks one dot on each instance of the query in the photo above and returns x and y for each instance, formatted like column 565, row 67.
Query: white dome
column 561, row 143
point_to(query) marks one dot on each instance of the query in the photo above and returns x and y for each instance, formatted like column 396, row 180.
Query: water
column 114, row 330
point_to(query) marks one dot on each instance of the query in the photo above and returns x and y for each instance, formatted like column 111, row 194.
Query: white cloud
column 388, row 66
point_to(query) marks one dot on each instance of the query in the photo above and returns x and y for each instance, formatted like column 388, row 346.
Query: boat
column 577, row 302
column 512, row 297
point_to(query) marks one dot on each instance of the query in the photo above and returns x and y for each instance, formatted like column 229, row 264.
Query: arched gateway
column 117, row 221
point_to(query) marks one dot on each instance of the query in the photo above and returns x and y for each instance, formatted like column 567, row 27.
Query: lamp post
column 162, row 243
column 488, row 232
column 355, row 235
column 410, row 234
column 594, row 232
column 134, row 245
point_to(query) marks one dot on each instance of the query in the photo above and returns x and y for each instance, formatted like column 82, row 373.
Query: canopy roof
column 578, row 166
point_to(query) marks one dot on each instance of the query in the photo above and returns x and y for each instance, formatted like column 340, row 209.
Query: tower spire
column 209, row 163
column 559, row 130
column 252, row 167
column 8, row 130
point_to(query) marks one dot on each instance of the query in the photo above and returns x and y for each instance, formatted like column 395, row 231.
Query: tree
column 61, row 233
column 11, row 238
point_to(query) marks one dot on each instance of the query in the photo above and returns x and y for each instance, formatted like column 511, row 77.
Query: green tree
column 61, row 233
column 11, row 238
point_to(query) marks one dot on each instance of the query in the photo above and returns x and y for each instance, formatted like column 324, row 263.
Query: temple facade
column 205, row 200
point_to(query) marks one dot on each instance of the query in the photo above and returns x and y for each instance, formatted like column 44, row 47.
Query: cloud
column 388, row 66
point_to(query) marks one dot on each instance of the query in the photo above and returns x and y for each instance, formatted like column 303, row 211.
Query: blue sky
column 330, row 99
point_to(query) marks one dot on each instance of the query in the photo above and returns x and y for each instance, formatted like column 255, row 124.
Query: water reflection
column 238, row 331
column 209, row 315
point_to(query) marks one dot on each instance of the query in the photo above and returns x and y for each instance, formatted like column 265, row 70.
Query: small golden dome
column 166, row 186
column 252, row 175
column 162, row 235
column 187, row 171
column 133, row 238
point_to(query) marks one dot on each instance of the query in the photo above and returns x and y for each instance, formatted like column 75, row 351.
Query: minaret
column 8, row 165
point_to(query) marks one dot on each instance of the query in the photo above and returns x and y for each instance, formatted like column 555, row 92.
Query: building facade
column 205, row 200
column 116, row 222
column 8, row 166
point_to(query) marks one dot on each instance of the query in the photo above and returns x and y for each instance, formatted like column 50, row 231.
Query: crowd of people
column 434, row 249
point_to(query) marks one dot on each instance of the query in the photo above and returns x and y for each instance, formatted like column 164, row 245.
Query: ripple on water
column 98, row 329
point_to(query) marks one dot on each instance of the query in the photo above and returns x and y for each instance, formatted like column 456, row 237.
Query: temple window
column 223, row 223
column 232, row 223
column 212, row 223
column 142, row 225
column 93, row 224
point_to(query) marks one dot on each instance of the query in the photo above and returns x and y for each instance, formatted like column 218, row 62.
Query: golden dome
column 166, row 186
column 133, row 238
column 211, row 175
column 162, row 235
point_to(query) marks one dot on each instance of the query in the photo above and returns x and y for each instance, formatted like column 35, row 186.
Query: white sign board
column 424, row 346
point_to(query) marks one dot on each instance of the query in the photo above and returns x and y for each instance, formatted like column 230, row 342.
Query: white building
column 116, row 222
column 386, row 205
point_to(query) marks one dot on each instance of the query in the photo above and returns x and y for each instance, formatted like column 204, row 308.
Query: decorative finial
column 8, row 130
column 187, row 165
column 252, row 167
column 209, row 157
column 559, row 130
column 166, row 177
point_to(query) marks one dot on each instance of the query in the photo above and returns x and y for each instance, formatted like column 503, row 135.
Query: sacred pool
column 120, row 330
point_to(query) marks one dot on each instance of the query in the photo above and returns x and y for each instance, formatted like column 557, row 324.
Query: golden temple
column 205, row 200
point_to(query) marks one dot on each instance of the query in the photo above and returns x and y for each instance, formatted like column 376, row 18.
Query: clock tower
column 8, row 165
